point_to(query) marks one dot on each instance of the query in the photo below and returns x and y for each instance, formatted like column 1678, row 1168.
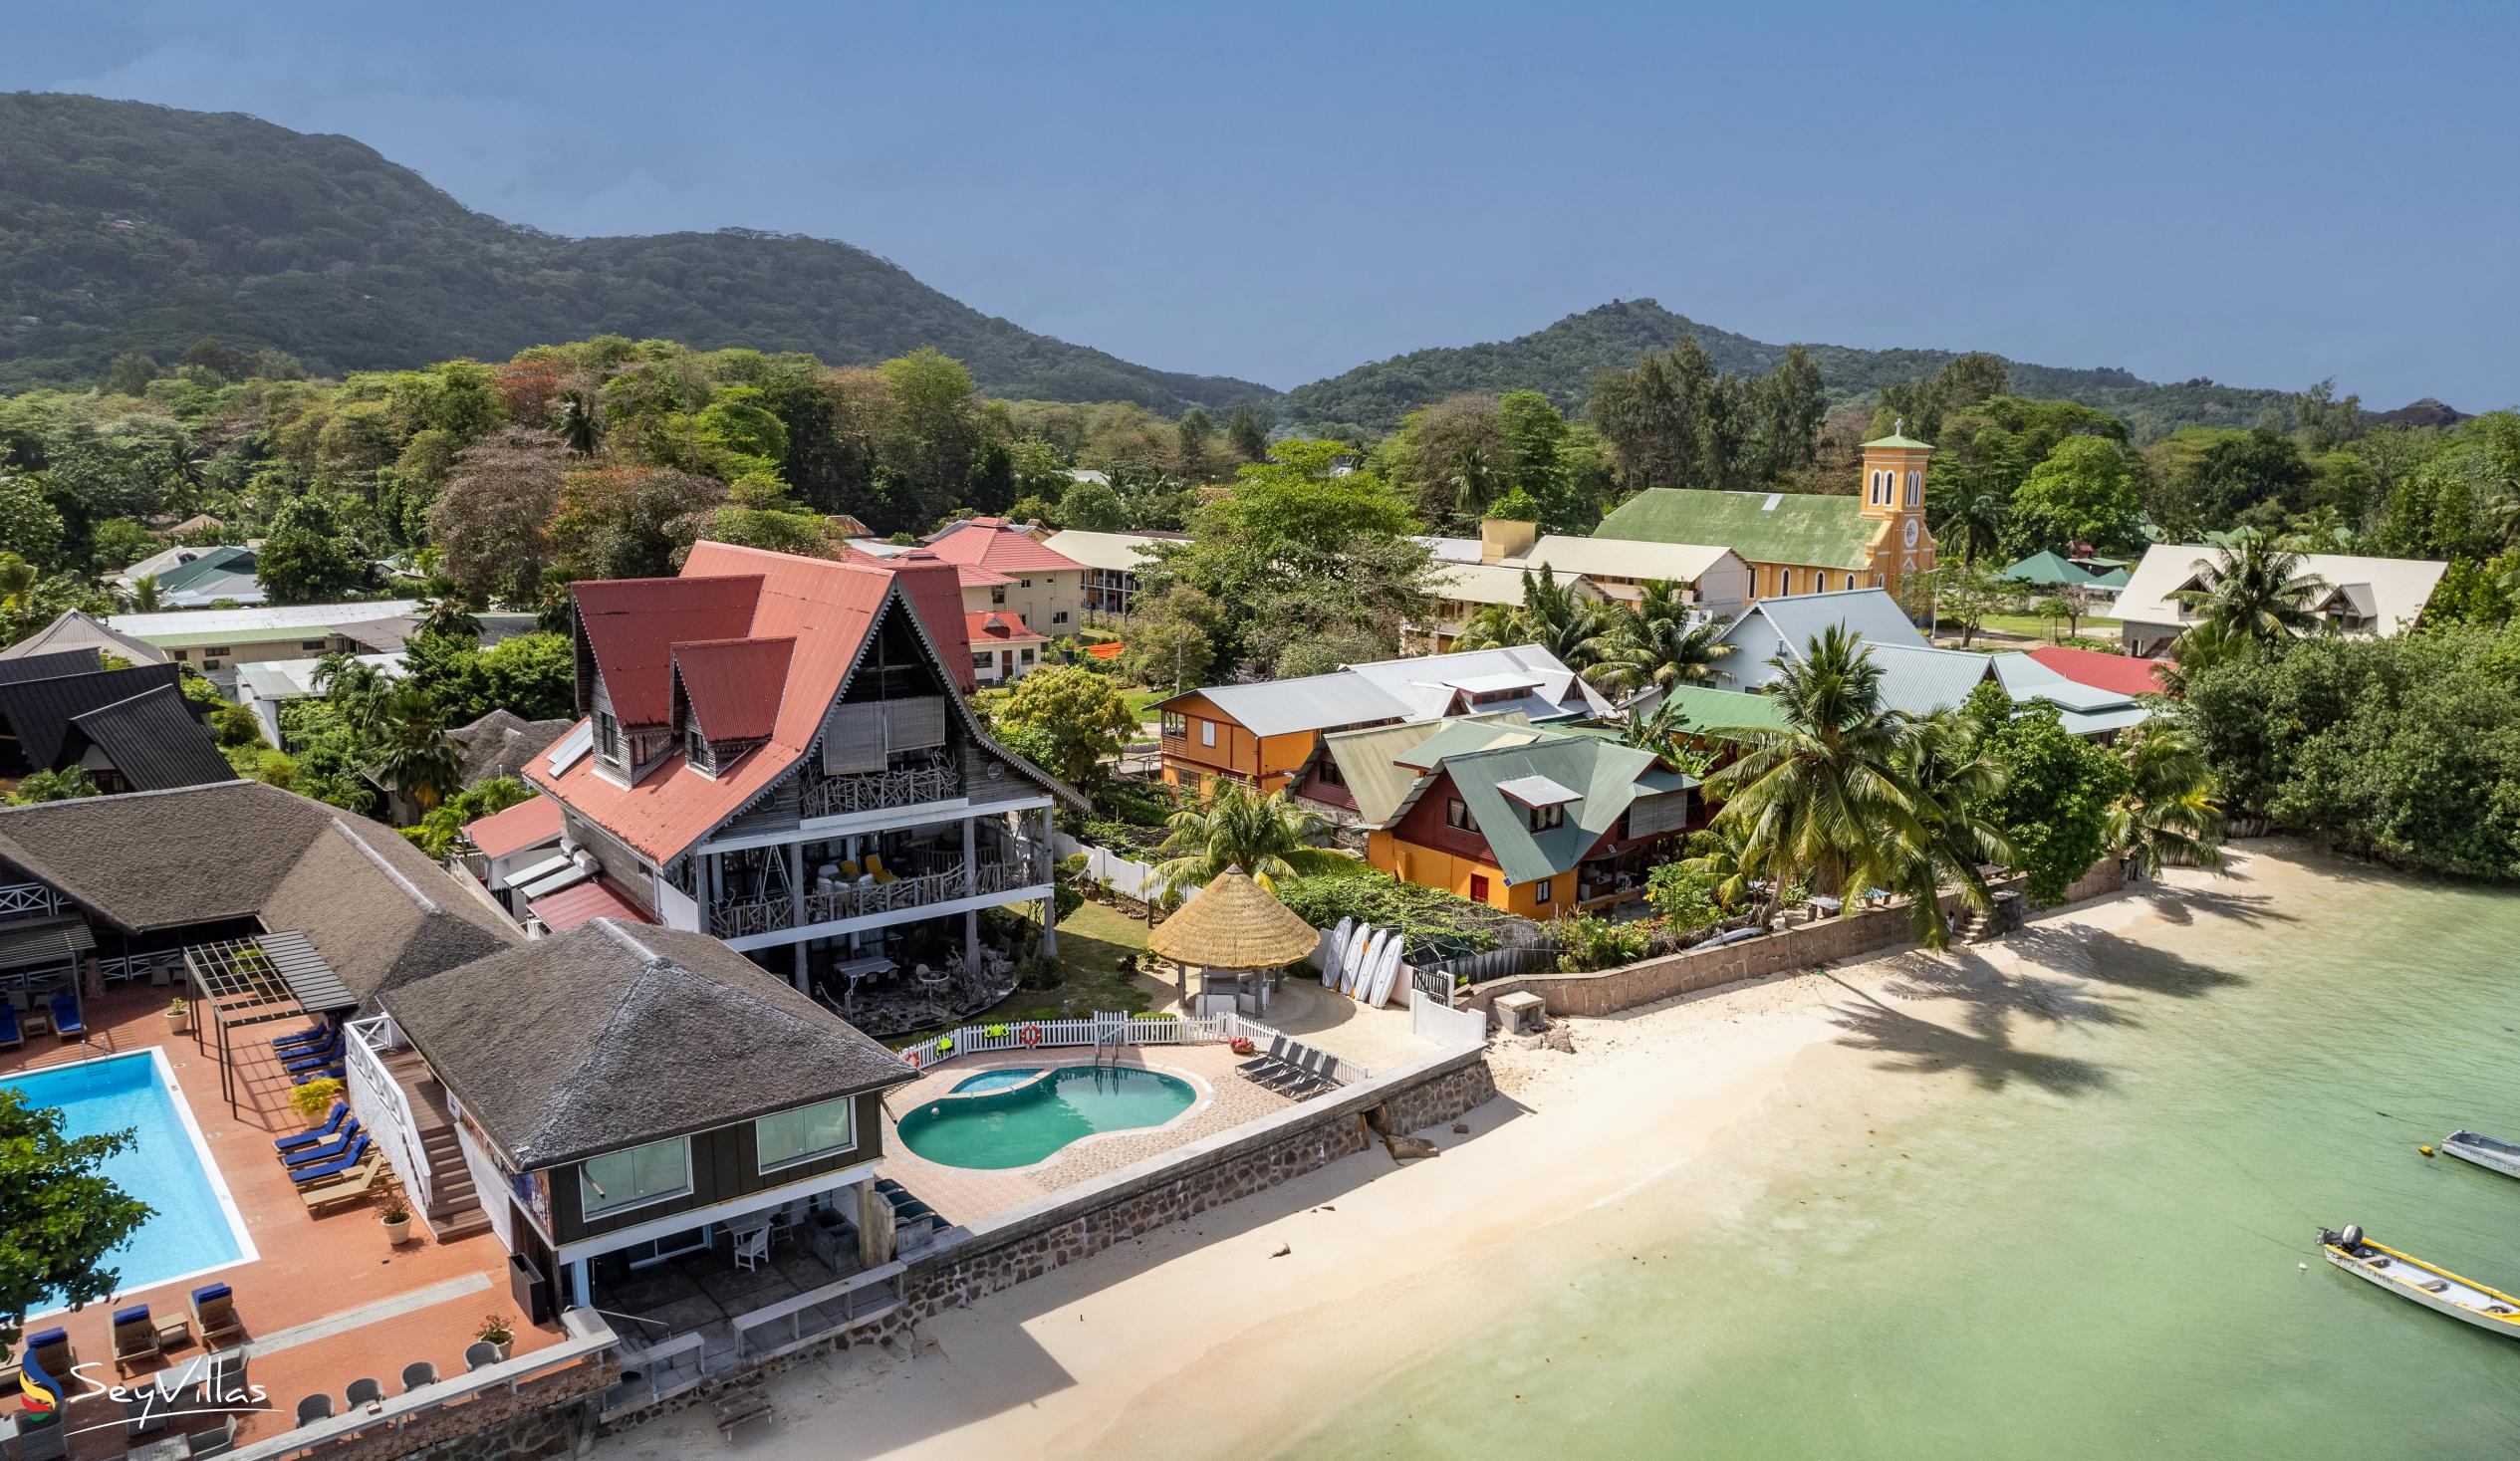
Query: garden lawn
column 2031, row 626
column 1092, row 942
column 1141, row 703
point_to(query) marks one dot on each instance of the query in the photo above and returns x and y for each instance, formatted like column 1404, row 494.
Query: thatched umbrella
column 1233, row 924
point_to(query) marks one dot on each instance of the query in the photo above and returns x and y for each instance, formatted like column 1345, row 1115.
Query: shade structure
column 1234, row 923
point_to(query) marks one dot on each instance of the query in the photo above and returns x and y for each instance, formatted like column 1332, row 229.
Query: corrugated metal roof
column 1377, row 764
column 1117, row 552
column 1605, row 776
column 38, row 711
column 76, row 630
column 1626, row 557
column 997, row 627
column 587, row 902
column 1822, row 531
column 1713, row 712
column 633, row 625
column 1867, row 613
column 993, row 543
column 49, row 667
column 1477, row 582
column 734, row 685
column 1537, row 790
column 2399, row 587
column 2125, row 673
column 1921, row 680
column 525, row 825
column 311, row 980
column 152, row 740
column 1312, row 702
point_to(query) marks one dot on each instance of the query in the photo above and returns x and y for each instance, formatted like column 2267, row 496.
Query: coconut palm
column 1559, row 618
column 1472, row 478
column 577, row 423
column 1940, row 842
column 447, row 614
column 1269, row 838
column 146, row 596
column 2257, row 590
column 419, row 760
column 1975, row 526
column 357, row 689
column 1663, row 642
column 1817, row 794
column 2167, row 814
column 1729, row 865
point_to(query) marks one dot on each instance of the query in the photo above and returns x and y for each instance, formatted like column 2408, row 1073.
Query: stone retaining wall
column 553, row 1415
column 1800, row 946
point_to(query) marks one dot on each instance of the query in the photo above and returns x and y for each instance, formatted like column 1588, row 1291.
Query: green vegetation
column 1064, row 718
column 60, row 1217
column 1099, row 948
column 1439, row 924
column 1268, row 838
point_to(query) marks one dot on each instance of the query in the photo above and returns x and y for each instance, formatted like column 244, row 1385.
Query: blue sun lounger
column 314, row 1135
column 66, row 1021
column 11, row 1036
column 334, row 1169
column 310, row 1038
column 330, row 1055
column 327, row 1151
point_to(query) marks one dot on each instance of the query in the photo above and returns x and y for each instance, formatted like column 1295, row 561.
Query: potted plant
column 179, row 1017
column 312, row 1100
column 496, row 1333
column 396, row 1214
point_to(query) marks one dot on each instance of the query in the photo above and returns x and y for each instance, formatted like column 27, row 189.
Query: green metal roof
column 2113, row 579
column 1898, row 439
column 213, row 563
column 1713, row 712
column 2047, row 569
column 1792, row 528
column 1606, row 777
column 1365, row 758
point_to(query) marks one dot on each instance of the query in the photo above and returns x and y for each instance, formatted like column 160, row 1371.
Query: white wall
column 491, row 1185
column 1755, row 641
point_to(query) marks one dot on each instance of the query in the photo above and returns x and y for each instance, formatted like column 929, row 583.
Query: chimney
column 1503, row 538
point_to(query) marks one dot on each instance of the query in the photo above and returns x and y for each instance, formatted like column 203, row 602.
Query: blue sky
column 2264, row 194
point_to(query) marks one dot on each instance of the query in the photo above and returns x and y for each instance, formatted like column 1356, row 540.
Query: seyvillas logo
column 213, row 1386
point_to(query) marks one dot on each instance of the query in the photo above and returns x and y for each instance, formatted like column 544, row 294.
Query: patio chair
column 879, row 873
column 327, row 1053
column 219, row 1440
column 480, row 1356
column 356, row 1184
column 66, row 1021
column 215, row 1313
column 303, row 1040
column 50, row 1351
column 753, row 1247
column 364, row 1392
column 308, row 1077
column 418, row 1375
column 314, row 1135
column 334, row 1168
column 11, row 1036
column 313, row 1409
column 332, row 1150
column 135, row 1339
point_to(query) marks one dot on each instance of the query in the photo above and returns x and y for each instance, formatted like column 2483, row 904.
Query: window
column 1478, row 888
column 803, row 1134
column 1457, row 817
column 1916, row 488
column 1028, row 656
column 608, row 736
column 313, row 643
column 1545, row 818
column 1784, row 580
column 980, row 661
column 1175, row 725
column 222, row 651
column 1540, row 894
column 1328, row 770
column 1026, row 582
column 997, row 596
column 1207, row 733
column 619, row 1181
column 1059, row 617
column 1850, row 582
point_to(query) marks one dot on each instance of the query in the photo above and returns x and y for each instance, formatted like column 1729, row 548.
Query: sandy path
column 1197, row 1341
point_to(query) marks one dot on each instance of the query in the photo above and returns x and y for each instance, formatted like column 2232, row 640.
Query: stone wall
column 1798, row 947
column 553, row 1415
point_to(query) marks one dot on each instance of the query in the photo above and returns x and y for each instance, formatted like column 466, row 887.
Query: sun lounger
column 135, row 1339
column 322, row 1055
column 314, row 1135
column 309, row 1078
column 308, row 1039
column 332, row 1151
column 66, row 1021
column 215, row 1313
column 357, row 1182
column 11, row 1036
column 357, row 1153
column 50, row 1351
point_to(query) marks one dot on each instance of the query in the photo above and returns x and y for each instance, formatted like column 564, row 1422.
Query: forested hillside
column 1561, row 360
column 129, row 228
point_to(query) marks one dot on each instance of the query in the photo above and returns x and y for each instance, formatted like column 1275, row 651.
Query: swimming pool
column 997, row 1080
column 1022, row 1124
column 194, row 1225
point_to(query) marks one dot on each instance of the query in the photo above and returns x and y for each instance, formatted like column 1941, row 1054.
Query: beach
column 1231, row 1334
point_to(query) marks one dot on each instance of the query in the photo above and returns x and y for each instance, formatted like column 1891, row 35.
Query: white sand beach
column 1201, row 1341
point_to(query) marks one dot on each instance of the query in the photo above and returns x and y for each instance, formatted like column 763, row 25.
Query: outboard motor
column 2352, row 1236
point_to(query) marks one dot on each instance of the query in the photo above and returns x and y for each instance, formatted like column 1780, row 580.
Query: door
column 1006, row 663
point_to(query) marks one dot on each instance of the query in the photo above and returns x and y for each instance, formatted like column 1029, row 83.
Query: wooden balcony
column 745, row 919
column 874, row 791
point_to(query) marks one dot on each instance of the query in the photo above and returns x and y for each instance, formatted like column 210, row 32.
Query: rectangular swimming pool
column 194, row 1225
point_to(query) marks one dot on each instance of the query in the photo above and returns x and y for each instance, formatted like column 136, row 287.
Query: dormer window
column 608, row 738
column 1543, row 819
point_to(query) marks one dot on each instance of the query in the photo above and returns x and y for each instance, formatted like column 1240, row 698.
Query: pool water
column 994, row 1079
column 1017, row 1128
column 190, row 1228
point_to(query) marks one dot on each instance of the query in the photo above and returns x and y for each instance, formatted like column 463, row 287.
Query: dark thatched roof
column 152, row 739
column 377, row 908
column 501, row 742
column 613, row 1034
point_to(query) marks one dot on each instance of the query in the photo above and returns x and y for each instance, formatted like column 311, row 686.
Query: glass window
column 1175, row 725
column 1207, row 733
column 1540, row 893
column 1059, row 617
column 1456, row 814
column 803, row 1134
column 997, row 596
column 619, row 1181
column 1545, row 818
column 313, row 643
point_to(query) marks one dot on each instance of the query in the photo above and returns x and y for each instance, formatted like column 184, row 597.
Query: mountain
column 1563, row 358
column 125, row 226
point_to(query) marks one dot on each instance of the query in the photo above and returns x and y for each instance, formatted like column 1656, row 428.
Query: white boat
column 1387, row 972
column 2411, row 1278
column 1348, row 976
column 1334, row 951
column 2485, row 1152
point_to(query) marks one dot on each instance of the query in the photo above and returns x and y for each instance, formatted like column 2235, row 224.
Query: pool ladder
column 1114, row 1040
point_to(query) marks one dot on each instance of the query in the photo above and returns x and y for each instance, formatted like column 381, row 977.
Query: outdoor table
column 173, row 1448
column 173, row 1330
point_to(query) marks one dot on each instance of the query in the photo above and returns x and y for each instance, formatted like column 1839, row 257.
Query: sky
column 2264, row 194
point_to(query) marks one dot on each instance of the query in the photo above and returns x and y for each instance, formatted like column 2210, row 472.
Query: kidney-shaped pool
column 1025, row 1122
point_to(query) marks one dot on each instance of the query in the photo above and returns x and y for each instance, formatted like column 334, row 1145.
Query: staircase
column 454, row 1206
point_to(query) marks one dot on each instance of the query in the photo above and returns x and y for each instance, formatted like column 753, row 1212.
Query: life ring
column 1030, row 1034
column 912, row 1057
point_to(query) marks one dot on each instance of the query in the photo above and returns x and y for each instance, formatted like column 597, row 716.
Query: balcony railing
column 861, row 899
column 21, row 899
column 876, row 791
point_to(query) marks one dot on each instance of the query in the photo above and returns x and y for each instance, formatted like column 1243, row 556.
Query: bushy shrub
column 1586, row 942
column 1439, row 924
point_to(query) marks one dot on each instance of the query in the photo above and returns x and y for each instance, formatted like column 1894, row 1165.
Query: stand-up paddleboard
column 1348, row 976
column 1387, row 972
column 1334, row 951
column 1354, row 956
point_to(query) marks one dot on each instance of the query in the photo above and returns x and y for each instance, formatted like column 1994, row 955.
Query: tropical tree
column 1663, row 642
column 357, row 689
column 1817, row 796
column 1065, row 719
column 1267, row 836
column 419, row 759
column 1559, row 618
column 2051, row 799
column 60, row 1217
column 1976, row 526
column 145, row 596
column 1728, row 862
column 2167, row 814
column 577, row 423
column 2256, row 591
column 448, row 616
column 1945, row 840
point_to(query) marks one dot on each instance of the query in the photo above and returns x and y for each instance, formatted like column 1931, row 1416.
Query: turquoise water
column 188, row 1229
column 1024, row 1126
column 994, row 1079
column 2083, row 1241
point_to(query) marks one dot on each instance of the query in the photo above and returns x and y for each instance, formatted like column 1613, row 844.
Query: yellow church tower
column 1895, row 496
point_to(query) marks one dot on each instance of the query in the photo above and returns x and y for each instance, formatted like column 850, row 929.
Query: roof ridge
column 410, row 888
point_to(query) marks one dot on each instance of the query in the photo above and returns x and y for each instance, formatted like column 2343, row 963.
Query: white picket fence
column 1121, row 876
column 1053, row 1034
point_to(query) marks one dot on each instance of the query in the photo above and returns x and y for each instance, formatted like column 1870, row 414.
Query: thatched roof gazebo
column 1235, row 932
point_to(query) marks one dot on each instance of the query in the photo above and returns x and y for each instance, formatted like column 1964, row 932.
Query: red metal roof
column 525, row 825
column 827, row 608
column 997, row 627
column 734, row 685
column 2122, row 673
column 584, row 902
column 989, row 543
column 632, row 626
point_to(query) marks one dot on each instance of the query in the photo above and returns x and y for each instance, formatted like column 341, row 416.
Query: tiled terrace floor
column 707, row 1291
column 326, row 1300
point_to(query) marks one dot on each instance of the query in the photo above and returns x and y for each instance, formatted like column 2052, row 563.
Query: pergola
column 1235, row 932
column 252, row 981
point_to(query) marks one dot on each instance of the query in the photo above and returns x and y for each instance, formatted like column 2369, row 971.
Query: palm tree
column 145, row 595
column 1940, row 842
column 447, row 614
column 1559, row 618
column 1269, row 838
column 2168, row 814
column 1471, row 479
column 2257, row 590
column 1976, row 525
column 1663, row 642
column 419, row 760
column 1730, row 864
column 577, row 423
column 358, row 690
column 1818, row 795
